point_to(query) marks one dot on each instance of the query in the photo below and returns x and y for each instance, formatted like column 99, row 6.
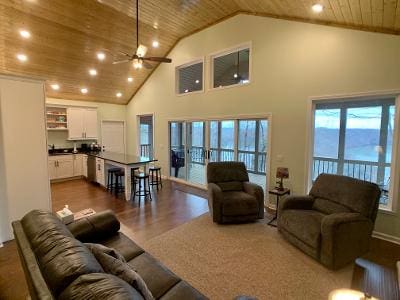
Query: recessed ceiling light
column 93, row 72
column 130, row 79
column 197, row 81
column 101, row 56
column 155, row 25
column 235, row 75
column 84, row 90
column 55, row 86
column 25, row 34
column 119, row 95
column 155, row 44
column 317, row 8
column 22, row 57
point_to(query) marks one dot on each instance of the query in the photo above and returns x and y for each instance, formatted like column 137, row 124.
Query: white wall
column 105, row 111
column 24, row 177
column 292, row 62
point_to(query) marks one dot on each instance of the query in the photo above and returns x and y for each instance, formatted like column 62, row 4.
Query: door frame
column 152, row 115
column 114, row 120
column 265, row 116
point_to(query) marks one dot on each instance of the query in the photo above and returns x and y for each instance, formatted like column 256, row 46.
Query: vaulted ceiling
column 66, row 35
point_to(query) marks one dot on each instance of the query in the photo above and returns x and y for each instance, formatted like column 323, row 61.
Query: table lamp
column 281, row 173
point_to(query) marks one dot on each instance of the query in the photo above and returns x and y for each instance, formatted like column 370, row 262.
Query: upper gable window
column 231, row 68
column 189, row 77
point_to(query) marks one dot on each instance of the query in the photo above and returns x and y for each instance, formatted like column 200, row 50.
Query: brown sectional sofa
column 58, row 265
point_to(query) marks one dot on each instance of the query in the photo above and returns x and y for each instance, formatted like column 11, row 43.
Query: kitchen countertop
column 125, row 159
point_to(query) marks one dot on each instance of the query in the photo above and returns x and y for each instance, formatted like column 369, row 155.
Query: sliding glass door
column 195, row 143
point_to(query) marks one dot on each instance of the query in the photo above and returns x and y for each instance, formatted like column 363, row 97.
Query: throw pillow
column 114, row 263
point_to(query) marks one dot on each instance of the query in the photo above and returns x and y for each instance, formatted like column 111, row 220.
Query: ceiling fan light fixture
column 137, row 64
column 141, row 51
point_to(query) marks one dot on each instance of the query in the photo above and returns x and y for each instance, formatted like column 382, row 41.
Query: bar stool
column 119, row 179
column 110, row 178
column 133, row 179
column 143, row 186
column 155, row 173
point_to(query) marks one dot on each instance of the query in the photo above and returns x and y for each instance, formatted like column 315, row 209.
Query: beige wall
column 291, row 62
column 24, row 179
column 105, row 111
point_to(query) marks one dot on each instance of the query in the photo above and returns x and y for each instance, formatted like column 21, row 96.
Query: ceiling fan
column 139, row 57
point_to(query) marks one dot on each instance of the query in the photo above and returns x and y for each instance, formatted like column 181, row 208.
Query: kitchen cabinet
column 100, row 171
column 82, row 123
column 61, row 166
column 78, row 164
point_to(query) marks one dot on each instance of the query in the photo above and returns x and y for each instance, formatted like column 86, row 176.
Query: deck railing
column 376, row 172
column 146, row 150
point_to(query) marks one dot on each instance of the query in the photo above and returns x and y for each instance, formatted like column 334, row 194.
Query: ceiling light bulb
column 84, row 90
column 197, row 81
column 317, row 8
column 119, row 95
column 25, row 34
column 22, row 57
column 155, row 44
column 130, row 79
column 101, row 56
column 93, row 72
column 55, row 86
column 137, row 64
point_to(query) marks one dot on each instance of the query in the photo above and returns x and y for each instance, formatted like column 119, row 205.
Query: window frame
column 237, row 48
column 188, row 64
column 394, row 187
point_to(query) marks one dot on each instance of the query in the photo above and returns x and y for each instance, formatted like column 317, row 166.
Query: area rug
column 224, row 261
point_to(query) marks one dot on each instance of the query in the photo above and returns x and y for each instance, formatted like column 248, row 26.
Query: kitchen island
column 99, row 162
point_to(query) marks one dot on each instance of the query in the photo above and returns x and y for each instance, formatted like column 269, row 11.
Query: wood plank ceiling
column 66, row 35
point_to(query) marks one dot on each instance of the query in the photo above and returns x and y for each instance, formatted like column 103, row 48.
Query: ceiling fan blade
column 158, row 59
column 147, row 65
column 141, row 50
column 121, row 61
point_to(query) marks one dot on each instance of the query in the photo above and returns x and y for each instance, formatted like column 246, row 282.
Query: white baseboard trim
column 386, row 237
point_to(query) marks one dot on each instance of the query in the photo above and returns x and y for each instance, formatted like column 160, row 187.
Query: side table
column 278, row 194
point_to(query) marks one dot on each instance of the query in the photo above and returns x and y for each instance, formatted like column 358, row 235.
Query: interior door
column 196, row 152
column 113, row 136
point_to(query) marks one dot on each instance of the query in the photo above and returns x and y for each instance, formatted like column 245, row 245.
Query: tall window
column 231, row 68
column 146, row 136
column 355, row 139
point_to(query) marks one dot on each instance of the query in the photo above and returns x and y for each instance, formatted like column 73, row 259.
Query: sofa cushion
column 123, row 245
column 329, row 207
column 99, row 286
column 303, row 224
column 61, row 257
column 230, row 186
column 156, row 276
column 183, row 291
column 239, row 203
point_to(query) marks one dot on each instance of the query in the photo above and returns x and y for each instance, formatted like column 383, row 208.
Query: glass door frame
column 235, row 118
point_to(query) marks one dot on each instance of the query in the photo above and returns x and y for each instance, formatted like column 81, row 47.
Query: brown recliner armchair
column 334, row 223
column 231, row 197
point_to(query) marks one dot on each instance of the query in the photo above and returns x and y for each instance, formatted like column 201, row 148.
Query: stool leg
column 148, row 189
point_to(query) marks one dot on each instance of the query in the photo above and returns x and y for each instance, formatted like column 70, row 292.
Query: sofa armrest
column 345, row 236
column 296, row 202
column 215, row 201
column 96, row 227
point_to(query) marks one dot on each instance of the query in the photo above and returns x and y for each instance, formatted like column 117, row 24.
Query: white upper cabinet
column 90, row 123
column 82, row 123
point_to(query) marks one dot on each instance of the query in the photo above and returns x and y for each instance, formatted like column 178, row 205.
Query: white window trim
column 212, row 56
column 188, row 64
column 394, row 190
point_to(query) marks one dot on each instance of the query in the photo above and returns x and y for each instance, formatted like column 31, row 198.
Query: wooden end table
column 278, row 194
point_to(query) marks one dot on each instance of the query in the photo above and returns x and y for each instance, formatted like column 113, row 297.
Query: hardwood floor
column 172, row 206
